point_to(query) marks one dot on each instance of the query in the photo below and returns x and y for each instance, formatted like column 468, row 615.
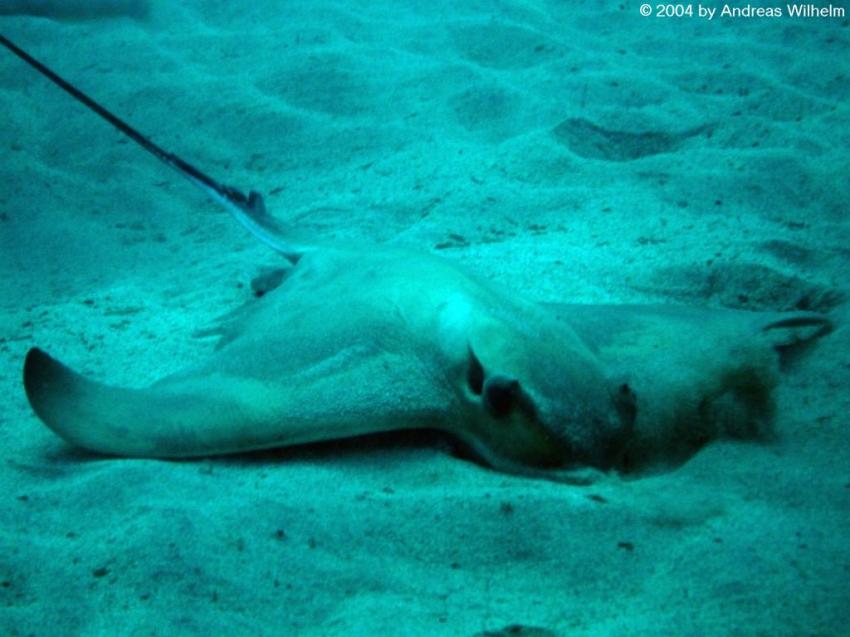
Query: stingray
column 357, row 340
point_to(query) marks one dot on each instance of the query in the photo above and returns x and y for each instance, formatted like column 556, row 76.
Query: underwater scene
column 479, row 319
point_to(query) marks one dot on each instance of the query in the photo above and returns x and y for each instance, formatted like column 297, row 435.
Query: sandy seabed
column 577, row 151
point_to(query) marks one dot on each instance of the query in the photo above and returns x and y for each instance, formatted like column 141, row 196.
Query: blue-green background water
column 576, row 151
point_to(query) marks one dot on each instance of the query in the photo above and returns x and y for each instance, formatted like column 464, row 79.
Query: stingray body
column 355, row 341
column 352, row 343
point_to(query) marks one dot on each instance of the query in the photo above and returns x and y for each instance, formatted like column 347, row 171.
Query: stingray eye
column 475, row 374
column 501, row 395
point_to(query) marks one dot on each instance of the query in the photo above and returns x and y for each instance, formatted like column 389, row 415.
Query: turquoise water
column 566, row 152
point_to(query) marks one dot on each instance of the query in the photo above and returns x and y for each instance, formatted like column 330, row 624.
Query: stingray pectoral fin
column 205, row 412
column 130, row 422
column 697, row 374
column 792, row 329
column 85, row 413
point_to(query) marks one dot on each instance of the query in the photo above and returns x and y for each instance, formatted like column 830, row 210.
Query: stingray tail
column 248, row 210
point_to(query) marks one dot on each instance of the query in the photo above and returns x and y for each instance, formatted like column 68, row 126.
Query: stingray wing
column 617, row 329
column 234, row 408
column 698, row 374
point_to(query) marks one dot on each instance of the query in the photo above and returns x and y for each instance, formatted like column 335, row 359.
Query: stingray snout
column 614, row 431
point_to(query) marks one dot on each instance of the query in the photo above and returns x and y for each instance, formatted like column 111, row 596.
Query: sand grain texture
column 572, row 150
